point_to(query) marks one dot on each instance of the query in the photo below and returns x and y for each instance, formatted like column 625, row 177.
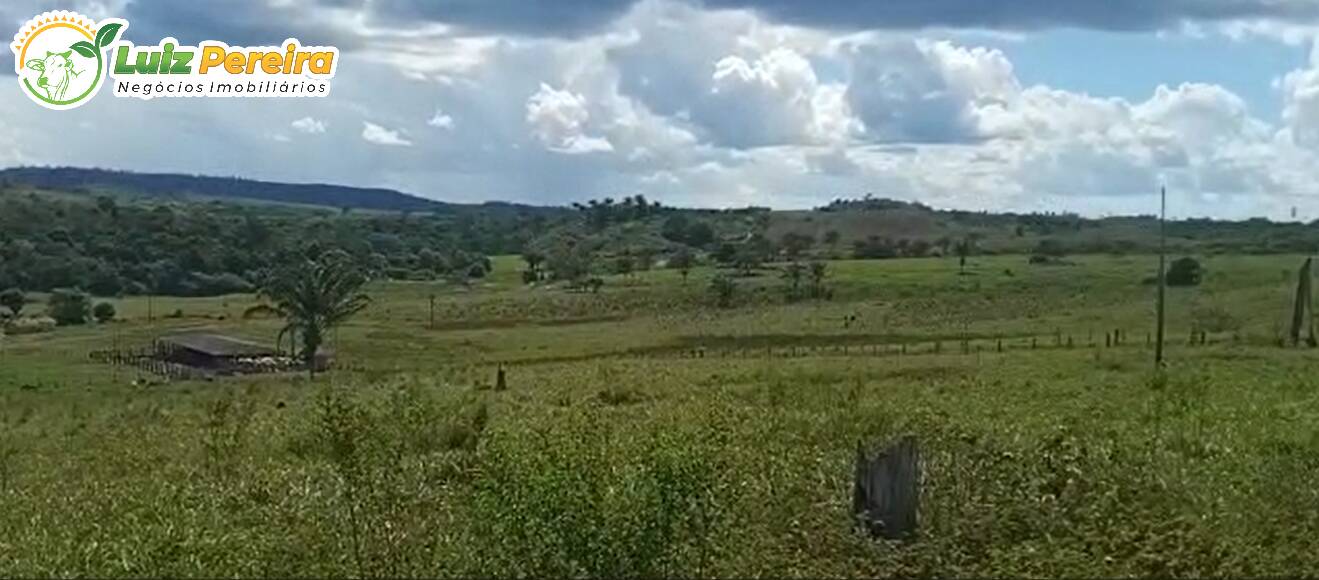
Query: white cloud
column 374, row 133
column 441, row 120
column 558, row 120
column 1300, row 89
column 933, row 92
column 309, row 125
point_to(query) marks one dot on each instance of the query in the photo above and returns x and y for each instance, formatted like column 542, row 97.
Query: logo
column 62, row 58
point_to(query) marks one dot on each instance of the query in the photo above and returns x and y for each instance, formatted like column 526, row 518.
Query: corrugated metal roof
column 217, row 345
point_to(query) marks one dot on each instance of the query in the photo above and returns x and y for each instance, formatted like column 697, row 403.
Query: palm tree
column 315, row 294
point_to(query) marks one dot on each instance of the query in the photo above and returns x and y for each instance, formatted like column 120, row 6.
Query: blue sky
column 1023, row 105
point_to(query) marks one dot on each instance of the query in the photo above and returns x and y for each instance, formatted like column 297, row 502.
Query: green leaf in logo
column 84, row 48
column 106, row 35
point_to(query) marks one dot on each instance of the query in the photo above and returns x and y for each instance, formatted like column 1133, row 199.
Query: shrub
column 572, row 501
column 70, row 307
column 32, row 325
column 723, row 288
column 1214, row 318
column 1049, row 248
column 104, row 312
column 1185, row 272
column 13, row 299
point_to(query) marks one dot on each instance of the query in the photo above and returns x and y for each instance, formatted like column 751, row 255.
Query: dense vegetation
column 92, row 235
column 109, row 247
column 173, row 186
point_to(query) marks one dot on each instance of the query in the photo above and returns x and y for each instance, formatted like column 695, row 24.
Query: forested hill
column 174, row 186
column 112, row 245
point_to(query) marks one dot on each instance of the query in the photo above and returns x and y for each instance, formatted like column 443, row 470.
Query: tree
column 70, row 307
column 104, row 312
column 1185, row 272
column 534, row 260
column 831, row 238
column 700, row 235
column 964, row 248
column 874, row 248
column 818, row 272
column 476, row 271
column 795, row 244
column 570, row 260
column 107, row 206
column 623, row 265
column 314, row 294
column 793, row 274
column 725, row 253
column 644, row 259
column 682, row 261
column 751, row 254
column 13, row 299
column 675, row 228
column 723, row 287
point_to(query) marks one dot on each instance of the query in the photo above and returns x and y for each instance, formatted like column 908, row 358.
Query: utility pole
column 1163, row 277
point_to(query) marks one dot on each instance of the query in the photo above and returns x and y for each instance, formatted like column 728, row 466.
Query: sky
column 1000, row 105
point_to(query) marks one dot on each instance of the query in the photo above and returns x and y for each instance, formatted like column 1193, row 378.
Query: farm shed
column 210, row 351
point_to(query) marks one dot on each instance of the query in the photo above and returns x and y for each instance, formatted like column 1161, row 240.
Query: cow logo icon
column 60, row 59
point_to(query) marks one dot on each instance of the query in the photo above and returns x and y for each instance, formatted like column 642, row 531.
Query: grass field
column 644, row 433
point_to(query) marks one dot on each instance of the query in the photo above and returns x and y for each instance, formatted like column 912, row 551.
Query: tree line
column 109, row 248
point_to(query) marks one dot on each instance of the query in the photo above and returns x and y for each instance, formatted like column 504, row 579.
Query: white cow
column 57, row 73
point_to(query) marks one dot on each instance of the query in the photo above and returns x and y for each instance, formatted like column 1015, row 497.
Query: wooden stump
column 886, row 490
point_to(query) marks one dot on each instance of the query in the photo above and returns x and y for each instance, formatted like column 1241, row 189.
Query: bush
column 723, row 288
column 1214, row 318
column 33, row 325
column 1049, row 248
column 1185, row 272
column 104, row 312
column 70, row 307
column 572, row 501
column 13, row 299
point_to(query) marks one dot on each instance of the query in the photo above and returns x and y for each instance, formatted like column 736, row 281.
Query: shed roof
column 217, row 345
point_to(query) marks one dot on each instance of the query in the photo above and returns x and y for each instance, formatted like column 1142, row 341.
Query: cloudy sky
column 1048, row 105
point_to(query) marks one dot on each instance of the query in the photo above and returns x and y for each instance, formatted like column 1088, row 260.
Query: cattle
column 57, row 73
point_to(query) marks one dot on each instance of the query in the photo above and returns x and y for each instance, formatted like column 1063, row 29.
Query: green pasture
column 646, row 433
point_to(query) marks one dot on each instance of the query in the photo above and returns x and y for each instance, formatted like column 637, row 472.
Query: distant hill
column 177, row 186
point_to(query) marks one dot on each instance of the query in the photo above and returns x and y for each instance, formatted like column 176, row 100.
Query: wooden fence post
column 886, row 490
